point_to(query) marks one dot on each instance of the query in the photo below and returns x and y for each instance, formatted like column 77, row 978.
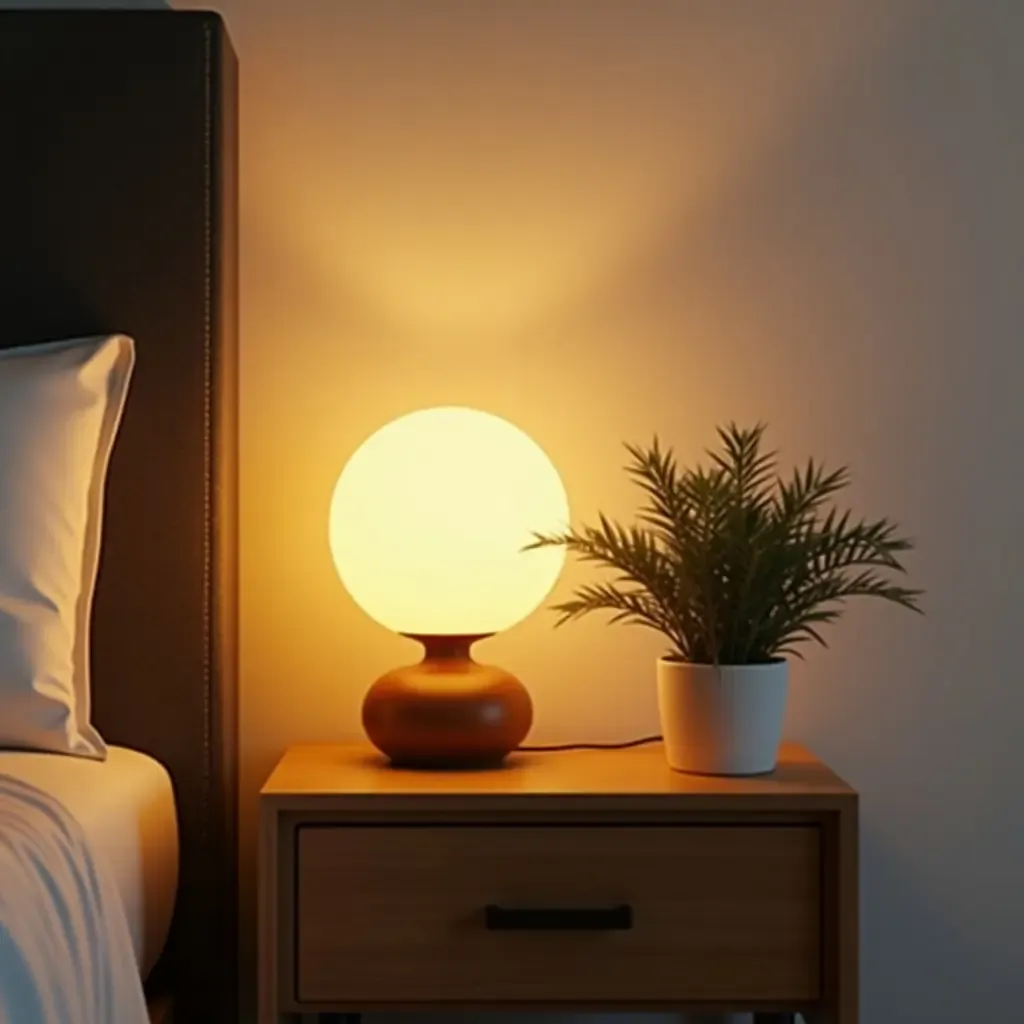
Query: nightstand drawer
column 578, row 914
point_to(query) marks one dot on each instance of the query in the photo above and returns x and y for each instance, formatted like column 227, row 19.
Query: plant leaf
column 733, row 562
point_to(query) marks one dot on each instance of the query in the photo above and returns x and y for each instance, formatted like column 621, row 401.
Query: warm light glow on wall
column 446, row 200
column 429, row 518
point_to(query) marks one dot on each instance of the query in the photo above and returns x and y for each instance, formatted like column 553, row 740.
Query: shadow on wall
column 909, row 931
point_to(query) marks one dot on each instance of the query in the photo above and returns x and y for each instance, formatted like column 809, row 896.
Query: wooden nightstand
column 578, row 880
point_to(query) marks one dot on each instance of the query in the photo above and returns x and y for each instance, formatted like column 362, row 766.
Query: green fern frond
column 732, row 562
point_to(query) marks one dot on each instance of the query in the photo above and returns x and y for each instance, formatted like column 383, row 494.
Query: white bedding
column 65, row 951
column 125, row 807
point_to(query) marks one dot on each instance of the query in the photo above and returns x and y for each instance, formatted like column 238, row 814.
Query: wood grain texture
column 373, row 882
column 845, row 928
column 719, row 913
column 267, row 917
column 351, row 778
column 841, row 906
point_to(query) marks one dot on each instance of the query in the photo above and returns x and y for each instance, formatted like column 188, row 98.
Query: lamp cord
column 550, row 748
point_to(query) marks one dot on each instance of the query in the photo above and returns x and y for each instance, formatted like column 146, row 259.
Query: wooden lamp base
column 447, row 711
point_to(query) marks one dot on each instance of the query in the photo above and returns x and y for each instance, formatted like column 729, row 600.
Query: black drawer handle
column 558, row 919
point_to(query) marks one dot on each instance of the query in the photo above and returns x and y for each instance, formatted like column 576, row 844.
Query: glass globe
column 429, row 517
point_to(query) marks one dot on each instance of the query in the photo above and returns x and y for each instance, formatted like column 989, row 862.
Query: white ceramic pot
column 722, row 719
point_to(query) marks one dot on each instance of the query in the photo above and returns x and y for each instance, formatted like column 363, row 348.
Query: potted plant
column 737, row 567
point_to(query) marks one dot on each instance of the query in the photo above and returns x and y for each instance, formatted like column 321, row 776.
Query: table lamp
column 427, row 525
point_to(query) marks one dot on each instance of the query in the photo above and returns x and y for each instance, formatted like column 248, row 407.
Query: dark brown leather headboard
column 118, row 212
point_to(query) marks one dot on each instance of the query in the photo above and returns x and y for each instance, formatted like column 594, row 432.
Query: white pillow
column 60, row 406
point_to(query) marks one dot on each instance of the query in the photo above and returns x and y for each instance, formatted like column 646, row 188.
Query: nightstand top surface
column 357, row 772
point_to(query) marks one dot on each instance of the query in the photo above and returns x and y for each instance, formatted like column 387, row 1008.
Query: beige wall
column 604, row 218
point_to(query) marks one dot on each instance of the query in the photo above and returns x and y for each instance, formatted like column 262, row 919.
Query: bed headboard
column 118, row 212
